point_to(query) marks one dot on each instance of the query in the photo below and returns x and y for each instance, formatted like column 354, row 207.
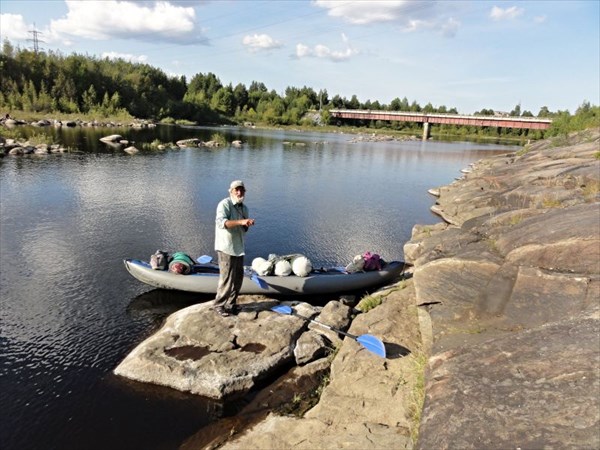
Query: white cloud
column 498, row 13
column 410, row 15
column 13, row 27
column 416, row 24
column 539, row 19
column 448, row 28
column 366, row 11
column 126, row 56
column 302, row 51
column 324, row 52
column 103, row 20
column 259, row 42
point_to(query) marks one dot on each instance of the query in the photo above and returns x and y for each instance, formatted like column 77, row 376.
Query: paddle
column 368, row 341
column 206, row 259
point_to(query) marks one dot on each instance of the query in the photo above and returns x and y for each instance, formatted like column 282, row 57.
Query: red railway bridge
column 532, row 123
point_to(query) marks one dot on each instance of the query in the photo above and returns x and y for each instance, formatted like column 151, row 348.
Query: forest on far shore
column 49, row 82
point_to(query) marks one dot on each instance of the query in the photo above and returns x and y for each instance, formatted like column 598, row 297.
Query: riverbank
column 364, row 133
column 504, row 305
column 512, row 285
column 17, row 142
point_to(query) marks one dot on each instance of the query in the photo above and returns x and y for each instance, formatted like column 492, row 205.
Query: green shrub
column 219, row 139
column 369, row 302
column 586, row 116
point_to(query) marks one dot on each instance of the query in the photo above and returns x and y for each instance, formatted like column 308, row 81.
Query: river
column 69, row 310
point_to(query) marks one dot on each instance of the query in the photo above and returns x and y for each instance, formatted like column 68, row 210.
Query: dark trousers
column 231, row 276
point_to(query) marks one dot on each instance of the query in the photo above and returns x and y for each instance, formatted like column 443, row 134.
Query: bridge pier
column 426, row 133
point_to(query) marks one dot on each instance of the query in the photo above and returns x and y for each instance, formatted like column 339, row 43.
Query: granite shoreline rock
column 512, row 284
column 201, row 352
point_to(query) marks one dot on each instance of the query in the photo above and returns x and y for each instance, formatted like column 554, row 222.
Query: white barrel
column 283, row 268
column 301, row 266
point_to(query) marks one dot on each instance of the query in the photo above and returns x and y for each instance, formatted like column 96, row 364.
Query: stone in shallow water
column 201, row 352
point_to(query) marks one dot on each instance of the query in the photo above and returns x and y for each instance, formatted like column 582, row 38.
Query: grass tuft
column 418, row 394
column 369, row 302
column 156, row 144
column 591, row 189
column 516, row 219
column 40, row 138
column 219, row 139
column 301, row 403
column 548, row 202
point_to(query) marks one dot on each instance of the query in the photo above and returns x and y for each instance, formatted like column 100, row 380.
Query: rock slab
column 200, row 352
column 512, row 285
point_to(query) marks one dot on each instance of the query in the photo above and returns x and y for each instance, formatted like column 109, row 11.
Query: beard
column 237, row 200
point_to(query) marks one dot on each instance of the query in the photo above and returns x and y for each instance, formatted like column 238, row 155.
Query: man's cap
column 236, row 184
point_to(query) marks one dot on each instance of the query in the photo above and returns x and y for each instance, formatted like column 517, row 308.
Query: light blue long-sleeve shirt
column 230, row 240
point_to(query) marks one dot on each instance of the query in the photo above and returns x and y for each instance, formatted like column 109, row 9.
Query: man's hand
column 247, row 222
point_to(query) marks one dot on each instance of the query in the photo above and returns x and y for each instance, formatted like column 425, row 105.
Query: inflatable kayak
column 205, row 278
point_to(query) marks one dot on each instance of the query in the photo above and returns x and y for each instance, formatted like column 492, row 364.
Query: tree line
column 50, row 82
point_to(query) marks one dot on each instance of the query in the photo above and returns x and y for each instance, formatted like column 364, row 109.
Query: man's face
column 239, row 193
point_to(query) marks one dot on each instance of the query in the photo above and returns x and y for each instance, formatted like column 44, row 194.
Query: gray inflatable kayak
column 205, row 278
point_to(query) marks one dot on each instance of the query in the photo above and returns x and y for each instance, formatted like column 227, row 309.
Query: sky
column 468, row 55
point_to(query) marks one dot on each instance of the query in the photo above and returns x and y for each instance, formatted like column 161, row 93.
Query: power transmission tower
column 35, row 39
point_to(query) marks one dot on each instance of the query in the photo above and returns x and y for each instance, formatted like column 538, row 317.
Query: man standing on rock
column 232, row 222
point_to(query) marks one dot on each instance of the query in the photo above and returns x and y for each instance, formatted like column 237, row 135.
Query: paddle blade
column 254, row 277
column 204, row 259
column 262, row 283
column 372, row 344
column 282, row 309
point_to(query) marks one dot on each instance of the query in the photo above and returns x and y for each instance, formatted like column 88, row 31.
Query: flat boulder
column 112, row 138
column 192, row 142
column 201, row 352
